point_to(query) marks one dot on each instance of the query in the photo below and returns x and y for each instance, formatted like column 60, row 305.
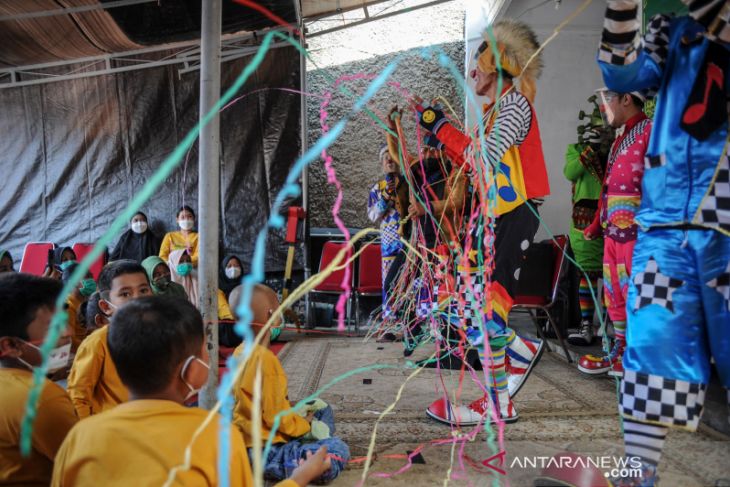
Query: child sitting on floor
column 27, row 304
column 159, row 349
column 93, row 384
column 296, row 435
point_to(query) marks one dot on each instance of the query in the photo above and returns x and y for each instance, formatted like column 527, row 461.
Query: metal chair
column 81, row 249
column 535, row 305
column 332, row 284
column 369, row 276
column 35, row 257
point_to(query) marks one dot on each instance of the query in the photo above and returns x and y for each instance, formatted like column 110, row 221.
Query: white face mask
column 193, row 390
column 233, row 272
column 186, row 224
column 57, row 359
column 139, row 227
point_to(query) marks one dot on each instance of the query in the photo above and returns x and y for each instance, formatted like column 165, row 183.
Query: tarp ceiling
column 71, row 36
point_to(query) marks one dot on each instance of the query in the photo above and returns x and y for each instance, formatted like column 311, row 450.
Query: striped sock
column 644, row 440
column 586, row 300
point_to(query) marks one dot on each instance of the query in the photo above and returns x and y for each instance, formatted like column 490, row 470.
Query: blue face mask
column 184, row 269
column 64, row 265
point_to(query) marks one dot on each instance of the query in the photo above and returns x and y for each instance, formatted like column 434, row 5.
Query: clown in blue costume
column 679, row 294
column 387, row 201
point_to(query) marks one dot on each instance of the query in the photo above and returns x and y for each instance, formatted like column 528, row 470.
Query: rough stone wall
column 355, row 152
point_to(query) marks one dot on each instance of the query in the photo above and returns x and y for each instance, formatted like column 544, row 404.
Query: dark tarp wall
column 73, row 153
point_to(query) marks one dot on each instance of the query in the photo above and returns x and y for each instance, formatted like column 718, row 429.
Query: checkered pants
column 678, row 319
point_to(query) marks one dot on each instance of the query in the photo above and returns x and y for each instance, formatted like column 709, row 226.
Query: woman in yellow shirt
column 184, row 239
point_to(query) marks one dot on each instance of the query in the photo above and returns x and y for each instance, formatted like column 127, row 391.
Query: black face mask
column 431, row 165
column 162, row 282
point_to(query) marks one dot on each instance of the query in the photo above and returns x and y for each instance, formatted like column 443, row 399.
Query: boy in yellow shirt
column 93, row 383
column 296, row 435
column 159, row 349
column 26, row 307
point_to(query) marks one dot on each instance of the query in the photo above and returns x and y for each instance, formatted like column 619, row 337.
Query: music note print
column 504, row 183
column 695, row 112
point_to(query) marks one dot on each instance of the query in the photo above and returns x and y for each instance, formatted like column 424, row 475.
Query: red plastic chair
column 537, row 305
column 333, row 283
column 369, row 276
column 35, row 257
column 81, row 249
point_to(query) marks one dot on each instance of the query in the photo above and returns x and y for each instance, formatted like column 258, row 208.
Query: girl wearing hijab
column 161, row 278
column 138, row 242
column 62, row 258
column 184, row 239
column 6, row 262
column 230, row 274
column 183, row 273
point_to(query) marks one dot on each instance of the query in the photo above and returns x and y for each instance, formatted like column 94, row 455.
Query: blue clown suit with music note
column 679, row 293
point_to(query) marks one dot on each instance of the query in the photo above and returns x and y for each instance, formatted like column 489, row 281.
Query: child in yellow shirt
column 93, row 383
column 27, row 304
column 78, row 296
column 159, row 349
column 184, row 239
column 297, row 435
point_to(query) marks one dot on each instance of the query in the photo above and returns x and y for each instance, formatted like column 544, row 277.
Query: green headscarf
column 172, row 289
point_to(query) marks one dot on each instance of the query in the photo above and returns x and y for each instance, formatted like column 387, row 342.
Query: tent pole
column 304, row 146
column 209, row 188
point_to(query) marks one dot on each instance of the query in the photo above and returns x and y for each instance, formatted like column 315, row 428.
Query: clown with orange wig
column 512, row 162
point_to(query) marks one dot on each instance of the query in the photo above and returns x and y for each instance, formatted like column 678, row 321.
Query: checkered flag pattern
column 653, row 398
column 620, row 40
column 715, row 208
column 721, row 284
column 653, row 287
column 630, row 138
column 656, row 39
column 471, row 294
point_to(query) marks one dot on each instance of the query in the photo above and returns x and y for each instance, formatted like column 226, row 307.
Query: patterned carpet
column 560, row 410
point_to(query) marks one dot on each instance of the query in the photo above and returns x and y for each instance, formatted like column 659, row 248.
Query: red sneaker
column 444, row 412
column 617, row 369
column 593, row 365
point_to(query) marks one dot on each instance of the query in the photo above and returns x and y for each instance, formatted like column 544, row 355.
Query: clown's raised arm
column 512, row 145
column 628, row 61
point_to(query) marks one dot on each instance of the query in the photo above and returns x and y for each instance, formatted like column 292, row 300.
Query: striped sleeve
column 510, row 127
column 620, row 39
